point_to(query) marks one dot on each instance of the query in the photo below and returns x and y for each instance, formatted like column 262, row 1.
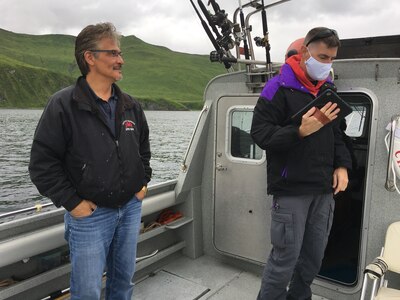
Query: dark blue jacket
column 75, row 156
column 295, row 165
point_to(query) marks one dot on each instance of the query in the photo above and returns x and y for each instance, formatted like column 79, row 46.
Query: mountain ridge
column 33, row 67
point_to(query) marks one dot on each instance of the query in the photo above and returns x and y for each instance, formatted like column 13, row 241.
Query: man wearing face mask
column 306, row 165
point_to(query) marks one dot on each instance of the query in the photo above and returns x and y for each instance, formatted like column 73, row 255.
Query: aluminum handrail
column 248, row 30
column 37, row 207
column 184, row 166
column 390, row 175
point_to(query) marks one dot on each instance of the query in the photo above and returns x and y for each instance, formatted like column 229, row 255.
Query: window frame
column 228, row 137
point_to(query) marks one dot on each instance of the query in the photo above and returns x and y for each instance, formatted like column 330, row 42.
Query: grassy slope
column 33, row 67
column 22, row 85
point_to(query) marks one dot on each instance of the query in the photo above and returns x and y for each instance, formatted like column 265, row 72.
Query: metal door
column 241, row 207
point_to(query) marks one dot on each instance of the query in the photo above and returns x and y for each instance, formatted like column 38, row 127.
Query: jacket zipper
column 115, row 138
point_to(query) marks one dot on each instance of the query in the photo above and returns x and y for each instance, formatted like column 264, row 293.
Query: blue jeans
column 106, row 239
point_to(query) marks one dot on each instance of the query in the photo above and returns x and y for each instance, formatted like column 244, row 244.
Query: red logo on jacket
column 129, row 125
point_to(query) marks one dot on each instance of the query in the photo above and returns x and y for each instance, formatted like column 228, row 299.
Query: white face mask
column 317, row 70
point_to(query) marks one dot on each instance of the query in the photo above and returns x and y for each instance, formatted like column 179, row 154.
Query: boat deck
column 202, row 278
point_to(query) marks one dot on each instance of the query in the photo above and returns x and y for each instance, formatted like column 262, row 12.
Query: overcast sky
column 174, row 24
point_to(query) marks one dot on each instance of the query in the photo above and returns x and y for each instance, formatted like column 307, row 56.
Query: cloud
column 175, row 25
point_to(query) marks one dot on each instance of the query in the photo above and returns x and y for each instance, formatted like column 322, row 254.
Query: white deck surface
column 203, row 278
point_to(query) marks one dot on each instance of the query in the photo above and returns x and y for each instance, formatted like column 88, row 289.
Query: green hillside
column 33, row 67
column 23, row 86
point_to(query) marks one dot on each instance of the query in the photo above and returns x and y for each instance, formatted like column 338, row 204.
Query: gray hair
column 88, row 39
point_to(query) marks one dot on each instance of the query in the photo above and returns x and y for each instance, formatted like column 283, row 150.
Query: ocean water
column 170, row 132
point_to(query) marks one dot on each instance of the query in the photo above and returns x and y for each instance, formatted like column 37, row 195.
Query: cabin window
column 356, row 121
column 242, row 145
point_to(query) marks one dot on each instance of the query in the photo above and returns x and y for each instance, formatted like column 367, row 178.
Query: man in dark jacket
column 306, row 164
column 90, row 154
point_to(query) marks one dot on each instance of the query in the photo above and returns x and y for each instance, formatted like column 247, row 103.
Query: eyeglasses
column 114, row 53
column 323, row 34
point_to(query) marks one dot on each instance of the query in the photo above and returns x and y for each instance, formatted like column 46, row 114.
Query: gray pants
column 300, row 227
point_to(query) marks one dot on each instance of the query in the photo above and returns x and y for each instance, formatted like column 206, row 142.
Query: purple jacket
column 285, row 79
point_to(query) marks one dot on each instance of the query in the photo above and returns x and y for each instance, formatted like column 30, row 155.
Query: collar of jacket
column 85, row 100
column 288, row 79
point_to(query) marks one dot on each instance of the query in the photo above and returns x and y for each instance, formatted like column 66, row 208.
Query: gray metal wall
column 380, row 79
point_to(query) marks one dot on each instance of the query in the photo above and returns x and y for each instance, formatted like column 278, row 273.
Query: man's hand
column 310, row 124
column 142, row 193
column 83, row 209
column 340, row 180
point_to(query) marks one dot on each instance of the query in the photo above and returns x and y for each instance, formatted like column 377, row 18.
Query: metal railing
column 390, row 184
column 184, row 166
column 37, row 208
